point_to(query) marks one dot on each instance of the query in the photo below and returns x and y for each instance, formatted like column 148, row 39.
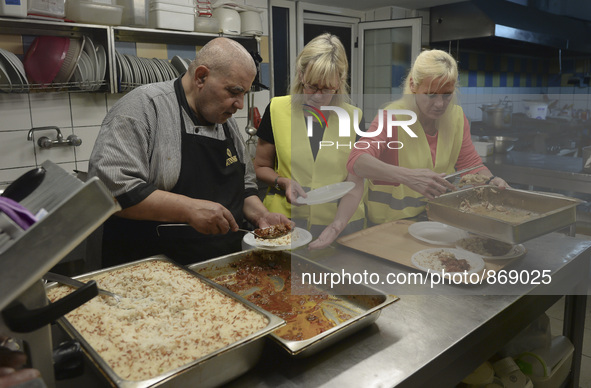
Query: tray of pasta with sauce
column 316, row 317
column 170, row 328
column 508, row 215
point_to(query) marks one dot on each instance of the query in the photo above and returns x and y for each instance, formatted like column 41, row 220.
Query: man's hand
column 211, row 218
column 10, row 375
column 273, row 219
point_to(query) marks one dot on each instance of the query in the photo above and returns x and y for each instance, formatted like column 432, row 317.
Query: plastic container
column 94, row 13
column 53, row 8
column 15, row 8
column 558, row 375
column 543, row 362
column 207, row 24
column 229, row 20
column 135, row 12
column 484, row 148
column 481, row 376
column 172, row 17
column 45, row 57
column 250, row 23
column 184, row 3
column 535, row 109
column 512, row 377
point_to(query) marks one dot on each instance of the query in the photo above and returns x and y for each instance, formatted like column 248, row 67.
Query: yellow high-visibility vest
column 387, row 202
column 294, row 159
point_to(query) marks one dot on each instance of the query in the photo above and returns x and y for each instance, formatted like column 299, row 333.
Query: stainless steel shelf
column 108, row 36
column 48, row 27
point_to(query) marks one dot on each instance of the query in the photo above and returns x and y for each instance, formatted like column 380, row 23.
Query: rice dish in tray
column 166, row 319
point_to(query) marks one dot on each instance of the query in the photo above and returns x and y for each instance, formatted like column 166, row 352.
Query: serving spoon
column 62, row 279
column 254, row 232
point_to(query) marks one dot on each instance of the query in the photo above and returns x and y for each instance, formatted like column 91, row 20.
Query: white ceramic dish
column 87, row 84
column 164, row 73
column 421, row 258
column 179, row 64
column 5, row 82
column 93, row 75
column 299, row 238
column 12, row 72
column 436, row 233
column 515, row 252
column 326, row 193
column 16, row 62
column 101, row 56
column 128, row 76
column 156, row 70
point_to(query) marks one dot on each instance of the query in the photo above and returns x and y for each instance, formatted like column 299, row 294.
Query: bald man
column 170, row 152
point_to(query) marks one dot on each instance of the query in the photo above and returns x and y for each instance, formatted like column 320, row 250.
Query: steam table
column 430, row 337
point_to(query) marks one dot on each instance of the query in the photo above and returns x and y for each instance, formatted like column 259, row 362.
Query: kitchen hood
column 504, row 26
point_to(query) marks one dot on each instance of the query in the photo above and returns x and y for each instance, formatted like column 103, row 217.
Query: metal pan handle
column 20, row 319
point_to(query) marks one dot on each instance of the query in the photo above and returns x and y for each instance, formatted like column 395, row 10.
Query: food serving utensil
column 242, row 230
column 274, row 236
column 54, row 277
column 455, row 174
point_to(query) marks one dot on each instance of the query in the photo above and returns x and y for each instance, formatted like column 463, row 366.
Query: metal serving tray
column 365, row 301
column 212, row 370
column 554, row 212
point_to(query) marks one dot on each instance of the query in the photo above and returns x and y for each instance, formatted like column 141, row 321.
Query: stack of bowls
column 45, row 57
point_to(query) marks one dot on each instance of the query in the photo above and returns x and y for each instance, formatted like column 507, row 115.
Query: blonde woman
column 415, row 167
column 291, row 161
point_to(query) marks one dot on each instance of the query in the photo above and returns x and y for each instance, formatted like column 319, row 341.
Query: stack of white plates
column 12, row 73
column 133, row 71
column 89, row 74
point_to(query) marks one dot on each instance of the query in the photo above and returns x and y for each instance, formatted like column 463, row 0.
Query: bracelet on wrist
column 276, row 183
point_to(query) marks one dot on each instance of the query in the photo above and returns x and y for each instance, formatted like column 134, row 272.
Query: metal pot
column 497, row 116
column 504, row 144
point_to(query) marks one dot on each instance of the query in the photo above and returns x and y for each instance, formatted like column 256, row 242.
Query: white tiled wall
column 80, row 114
column 77, row 113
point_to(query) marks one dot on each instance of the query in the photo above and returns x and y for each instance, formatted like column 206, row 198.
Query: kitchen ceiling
column 371, row 4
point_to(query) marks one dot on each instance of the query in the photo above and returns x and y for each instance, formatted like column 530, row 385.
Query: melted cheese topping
column 167, row 318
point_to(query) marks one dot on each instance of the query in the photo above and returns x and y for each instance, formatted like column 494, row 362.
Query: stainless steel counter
column 548, row 171
column 429, row 338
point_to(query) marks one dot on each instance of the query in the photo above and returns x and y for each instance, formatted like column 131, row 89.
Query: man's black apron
column 210, row 170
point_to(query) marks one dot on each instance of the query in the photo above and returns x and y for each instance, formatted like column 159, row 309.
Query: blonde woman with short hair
column 292, row 161
column 399, row 177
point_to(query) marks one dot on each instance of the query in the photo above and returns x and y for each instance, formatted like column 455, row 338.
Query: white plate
column 299, row 238
column 12, row 72
column 327, row 193
column 436, row 233
column 5, row 82
column 515, row 252
column 19, row 67
column 92, row 60
column 101, row 56
column 475, row 261
column 179, row 64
